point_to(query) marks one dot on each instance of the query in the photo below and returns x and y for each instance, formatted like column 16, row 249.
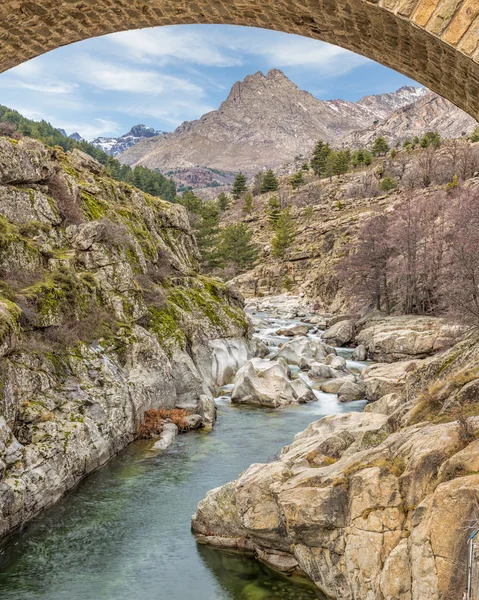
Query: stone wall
column 435, row 42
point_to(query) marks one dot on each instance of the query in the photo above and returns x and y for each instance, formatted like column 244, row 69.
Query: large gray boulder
column 266, row 383
column 304, row 351
column 340, row 333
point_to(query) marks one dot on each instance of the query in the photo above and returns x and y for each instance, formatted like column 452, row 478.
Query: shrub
column 115, row 234
column 155, row 418
column 387, row 184
column 68, row 200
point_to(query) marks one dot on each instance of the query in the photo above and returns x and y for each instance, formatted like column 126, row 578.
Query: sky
column 166, row 75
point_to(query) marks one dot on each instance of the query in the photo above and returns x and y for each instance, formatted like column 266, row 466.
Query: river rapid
column 124, row 532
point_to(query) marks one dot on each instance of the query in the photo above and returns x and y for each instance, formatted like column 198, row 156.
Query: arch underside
column 434, row 42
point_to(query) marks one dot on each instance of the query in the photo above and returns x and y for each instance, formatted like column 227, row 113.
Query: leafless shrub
column 67, row 199
column 10, row 130
column 115, row 234
column 366, row 187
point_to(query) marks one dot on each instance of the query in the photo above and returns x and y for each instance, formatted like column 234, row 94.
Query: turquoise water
column 124, row 532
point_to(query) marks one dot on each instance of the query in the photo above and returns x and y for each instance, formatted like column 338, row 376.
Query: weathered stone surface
column 293, row 331
column 304, row 351
column 420, row 39
column 339, row 334
column 351, row 390
column 360, row 353
column 93, row 339
column 362, row 510
column 382, row 379
column 266, row 383
column 399, row 338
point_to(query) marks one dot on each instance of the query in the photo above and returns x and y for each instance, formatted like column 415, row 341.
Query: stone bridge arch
column 436, row 42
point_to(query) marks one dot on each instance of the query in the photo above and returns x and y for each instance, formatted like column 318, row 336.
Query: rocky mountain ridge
column 265, row 121
column 115, row 146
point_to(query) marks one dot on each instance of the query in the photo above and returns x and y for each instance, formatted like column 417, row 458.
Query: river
column 124, row 532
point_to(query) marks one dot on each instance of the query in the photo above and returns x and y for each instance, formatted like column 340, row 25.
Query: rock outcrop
column 377, row 505
column 103, row 315
column 404, row 337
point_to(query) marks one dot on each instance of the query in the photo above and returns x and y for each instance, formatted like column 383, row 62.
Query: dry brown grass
column 152, row 425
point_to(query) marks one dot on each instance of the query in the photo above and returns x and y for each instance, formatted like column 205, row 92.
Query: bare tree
column 365, row 272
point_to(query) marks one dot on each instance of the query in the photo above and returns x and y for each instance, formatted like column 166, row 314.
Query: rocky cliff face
column 103, row 315
column 429, row 113
column 265, row 121
column 378, row 505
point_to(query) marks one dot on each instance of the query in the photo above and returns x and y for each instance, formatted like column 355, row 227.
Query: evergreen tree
column 191, row 202
column 206, row 232
column 223, row 202
column 273, row 210
column 475, row 135
column 285, row 233
column 239, row 185
column 387, row 183
column 296, row 180
column 269, row 183
column 340, row 162
column 248, row 204
column 236, row 248
column 380, row 146
column 368, row 158
column 320, row 156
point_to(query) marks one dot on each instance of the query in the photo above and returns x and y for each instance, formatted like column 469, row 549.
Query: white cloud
column 172, row 111
column 120, row 78
column 47, row 87
column 230, row 46
column 177, row 44
column 89, row 130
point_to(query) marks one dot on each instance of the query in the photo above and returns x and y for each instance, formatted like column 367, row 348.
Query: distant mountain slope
column 429, row 113
column 265, row 121
column 114, row 146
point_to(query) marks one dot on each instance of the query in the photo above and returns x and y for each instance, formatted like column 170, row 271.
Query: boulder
column 264, row 383
column 352, row 390
column 360, row 353
column 338, row 362
column 303, row 393
column 168, row 435
column 320, row 371
column 332, row 386
column 304, row 351
column 385, row 378
column 389, row 339
column 385, row 405
column 340, row 334
column 26, row 161
column 293, row 331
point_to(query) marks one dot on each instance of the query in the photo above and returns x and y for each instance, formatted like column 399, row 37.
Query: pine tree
column 320, row 156
column 380, row 146
column 273, row 210
column 296, row 180
column 236, row 248
column 206, row 232
column 191, row 202
column 223, row 202
column 248, row 204
column 475, row 135
column 387, row 183
column 340, row 164
column 269, row 183
column 285, row 234
column 239, row 185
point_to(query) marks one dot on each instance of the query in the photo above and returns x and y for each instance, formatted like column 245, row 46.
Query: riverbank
column 125, row 530
column 377, row 505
